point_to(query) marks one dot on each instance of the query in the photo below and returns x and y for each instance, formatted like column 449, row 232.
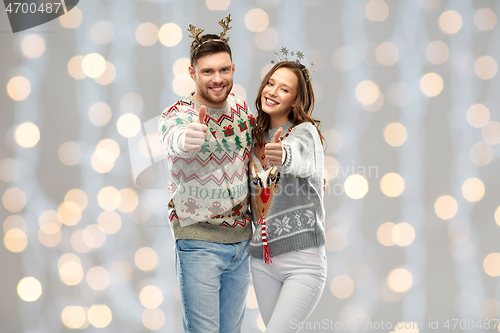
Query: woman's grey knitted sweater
column 289, row 197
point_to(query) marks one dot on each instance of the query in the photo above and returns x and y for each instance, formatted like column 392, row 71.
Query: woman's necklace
column 260, row 150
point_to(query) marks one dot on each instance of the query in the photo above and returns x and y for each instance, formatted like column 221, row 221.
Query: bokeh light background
column 407, row 92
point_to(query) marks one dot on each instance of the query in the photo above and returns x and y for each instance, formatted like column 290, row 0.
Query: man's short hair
column 211, row 44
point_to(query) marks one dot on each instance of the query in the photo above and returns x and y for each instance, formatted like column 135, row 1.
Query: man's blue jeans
column 213, row 282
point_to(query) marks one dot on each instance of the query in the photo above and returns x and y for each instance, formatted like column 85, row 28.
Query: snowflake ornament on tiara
column 298, row 56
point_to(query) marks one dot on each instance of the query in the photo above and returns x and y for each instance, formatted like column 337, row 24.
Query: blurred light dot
column 109, row 222
column 392, row 184
column 153, row 319
column 75, row 67
column 489, row 308
column 217, row 4
column 69, row 153
column 100, row 166
column 333, row 139
column 15, row 240
column 98, row 278
column 108, row 75
column 151, row 297
column 450, row 22
column 181, row 66
column 497, row 215
column 356, row 186
column 9, row 170
column 256, row 20
column 431, row 84
column 397, row 94
column 403, row 234
column 19, row 88
column 240, row 91
column 146, row 259
column 14, row 222
column 49, row 239
column 102, row 32
column 395, row 134
column 170, row 34
column 131, row 103
column 27, row 135
column 109, row 198
column 49, row 222
column 33, row 46
column 473, row 189
column 100, row 113
column 344, row 59
column 437, row 52
column 99, row 316
column 318, row 91
column 376, row 10
column 73, row 316
column 29, row 289
column 491, row 132
column 108, row 150
column 377, row 105
column 129, row 200
column 79, row 244
column 332, row 168
column 252, row 298
column 69, row 212
column 478, row 115
column 485, row 19
column 481, row 153
column 387, row 54
column 128, row 125
column 93, row 65
column 458, row 231
column 14, row 200
column 399, row 280
column 267, row 40
column 77, row 196
column 71, row 272
column 491, row 264
column 146, row 34
column 367, row 92
column 385, row 234
column 260, row 323
column 392, row 297
column 446, row 207
column 183, row 84
column 485, row 67
column 93, row 236
column 72, row 19
column 336, row 240
column 342, row 286
column 265, row 70
column 121, row 272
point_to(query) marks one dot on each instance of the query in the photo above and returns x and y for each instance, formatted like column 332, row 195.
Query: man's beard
column 205, row 94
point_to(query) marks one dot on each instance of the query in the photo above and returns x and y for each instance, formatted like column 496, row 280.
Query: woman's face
column 278, row 96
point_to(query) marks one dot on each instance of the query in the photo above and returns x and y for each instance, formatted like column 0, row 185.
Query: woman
column 286, row 170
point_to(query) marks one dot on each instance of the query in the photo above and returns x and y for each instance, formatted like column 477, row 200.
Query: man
column 207, row 136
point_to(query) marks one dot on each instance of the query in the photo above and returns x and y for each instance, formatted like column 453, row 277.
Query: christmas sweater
column 289, row 198
column 209, row 188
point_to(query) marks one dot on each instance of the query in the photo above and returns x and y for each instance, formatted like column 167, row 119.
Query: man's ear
column 192, row 73
column 232, row 67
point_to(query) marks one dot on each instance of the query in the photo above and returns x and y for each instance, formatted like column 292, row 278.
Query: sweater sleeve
column 301, row 147
column 173, row 122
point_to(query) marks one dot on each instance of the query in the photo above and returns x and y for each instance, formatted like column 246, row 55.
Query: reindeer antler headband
column 195, row 33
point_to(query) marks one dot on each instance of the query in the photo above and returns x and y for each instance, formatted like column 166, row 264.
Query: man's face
column 213, row 75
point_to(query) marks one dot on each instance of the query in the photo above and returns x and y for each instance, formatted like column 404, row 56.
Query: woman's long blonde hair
column 304, row 102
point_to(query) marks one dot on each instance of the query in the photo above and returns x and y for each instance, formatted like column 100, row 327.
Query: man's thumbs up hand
column 194, row 136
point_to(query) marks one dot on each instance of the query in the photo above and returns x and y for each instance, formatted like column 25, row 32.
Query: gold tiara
column 195, row 33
